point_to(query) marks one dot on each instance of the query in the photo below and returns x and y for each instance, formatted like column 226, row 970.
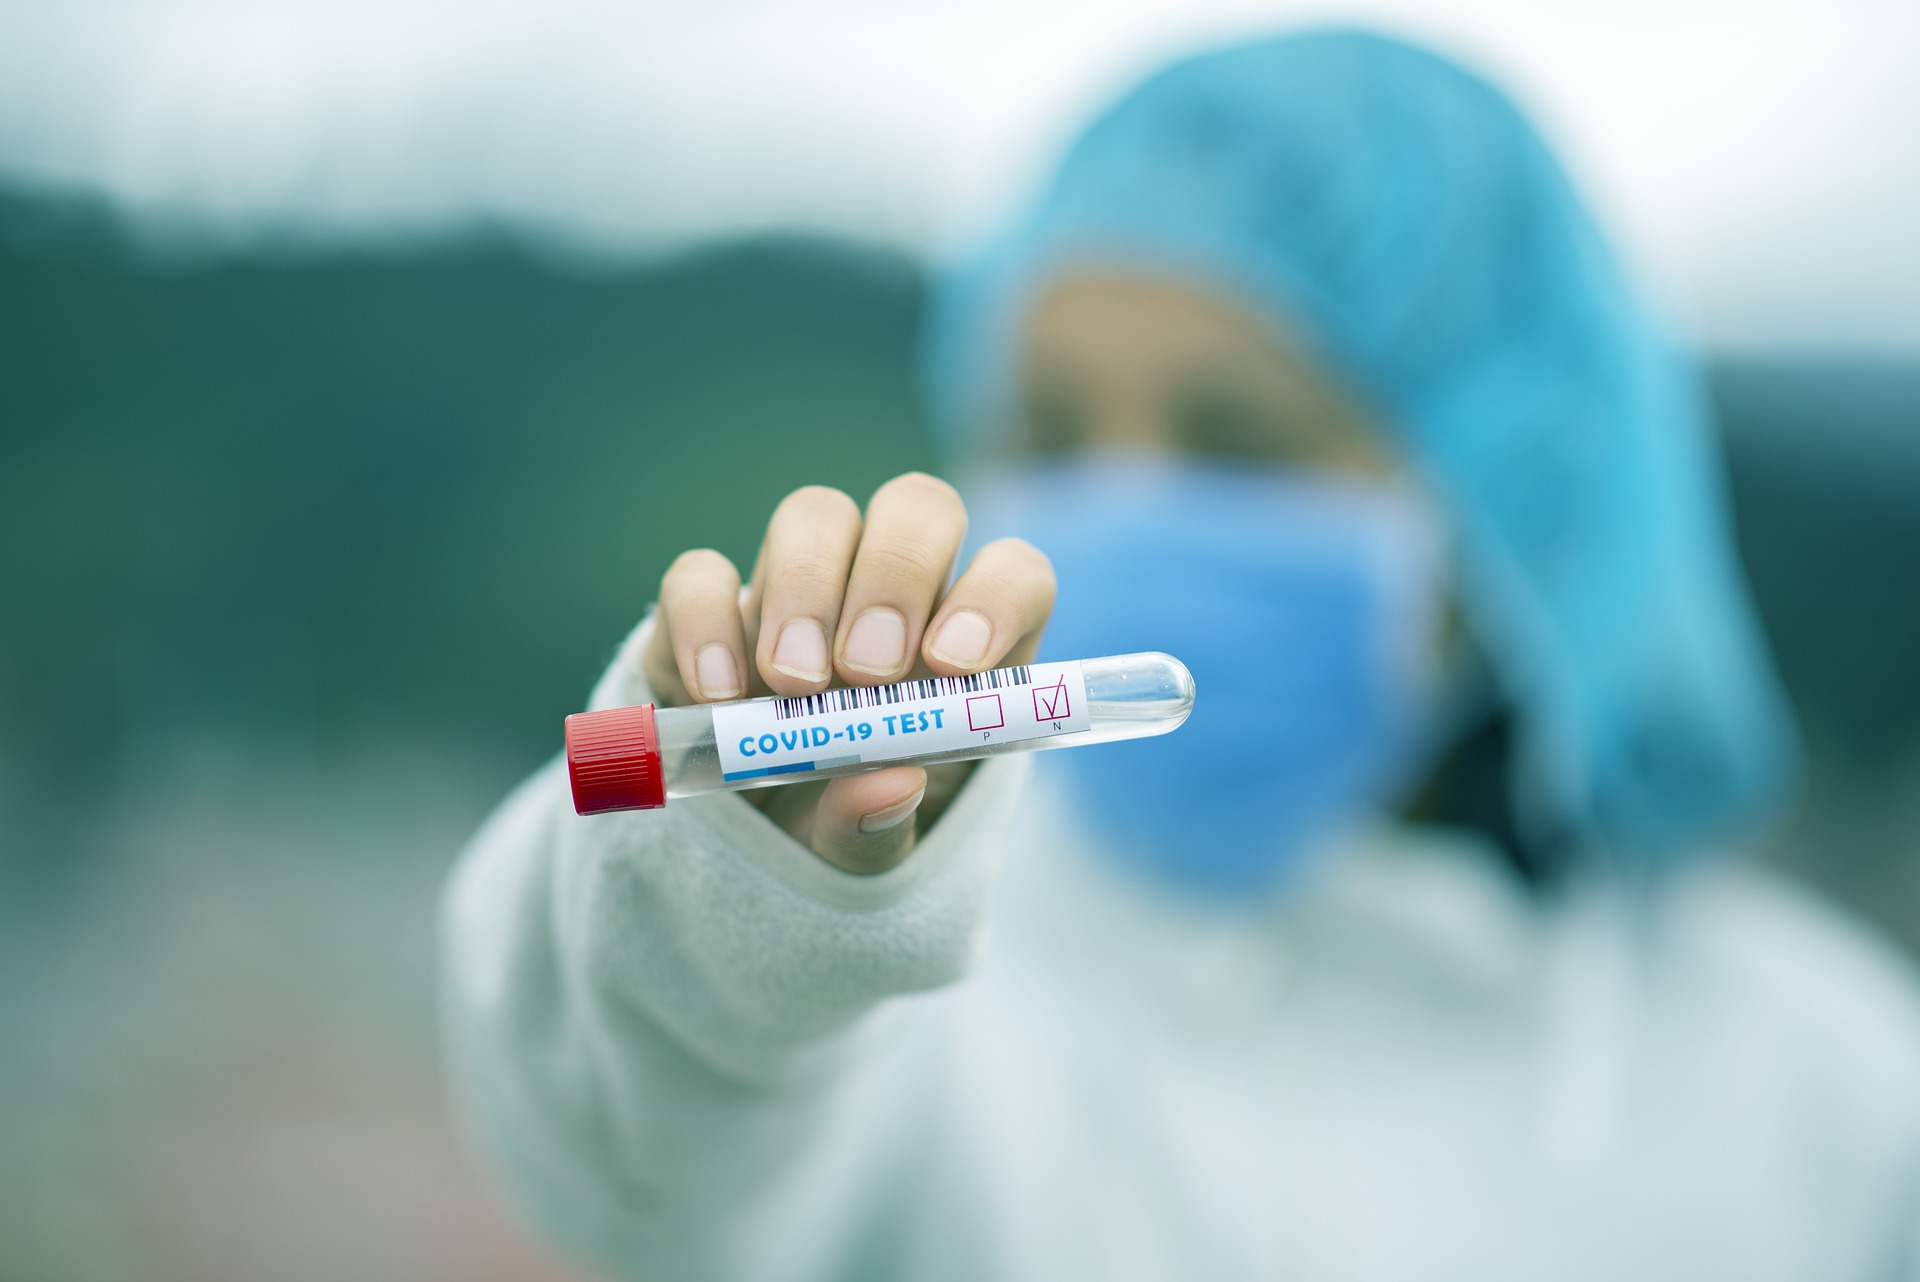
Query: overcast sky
column 1761, row 161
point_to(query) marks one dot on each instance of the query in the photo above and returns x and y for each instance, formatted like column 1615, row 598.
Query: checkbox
column 1050, row 703
column 985, row 713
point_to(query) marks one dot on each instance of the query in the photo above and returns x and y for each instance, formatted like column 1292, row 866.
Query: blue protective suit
column 1402, row 216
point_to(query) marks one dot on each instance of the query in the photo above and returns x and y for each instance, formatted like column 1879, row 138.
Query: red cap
column 613, row 760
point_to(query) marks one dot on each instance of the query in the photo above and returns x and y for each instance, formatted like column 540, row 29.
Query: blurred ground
column 302, row 559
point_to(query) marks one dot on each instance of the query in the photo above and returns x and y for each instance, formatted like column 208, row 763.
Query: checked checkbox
column 1050, row 703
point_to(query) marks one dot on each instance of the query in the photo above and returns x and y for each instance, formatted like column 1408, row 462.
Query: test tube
column 641, row 757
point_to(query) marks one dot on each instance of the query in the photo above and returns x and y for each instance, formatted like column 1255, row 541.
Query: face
column 1151, row 366
column 1139, row 365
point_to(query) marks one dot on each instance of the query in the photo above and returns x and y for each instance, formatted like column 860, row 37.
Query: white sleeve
column 671, row 1029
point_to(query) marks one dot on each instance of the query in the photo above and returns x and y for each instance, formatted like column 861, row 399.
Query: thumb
column 864, row 823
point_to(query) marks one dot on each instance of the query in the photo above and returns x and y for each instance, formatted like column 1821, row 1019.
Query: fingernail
column 801, row 652
column 962, row 640
column 892, row 816
column 877, row 643
column 717, row 673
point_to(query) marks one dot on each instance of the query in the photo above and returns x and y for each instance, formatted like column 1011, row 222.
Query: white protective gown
column 694, row 1050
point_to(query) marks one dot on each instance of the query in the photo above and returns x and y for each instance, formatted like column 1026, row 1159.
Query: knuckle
column 901, row 564
column 704, row 562
column 1014, row 548
column 809, row 572
column 919, row 492
column 818, row 503
column 995, row 593
column 697, row 568
column 1019, row 557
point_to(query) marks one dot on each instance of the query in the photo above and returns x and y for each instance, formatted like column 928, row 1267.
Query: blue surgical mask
column 1305, row 608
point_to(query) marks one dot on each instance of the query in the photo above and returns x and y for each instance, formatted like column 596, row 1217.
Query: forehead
column 1110, row 319
column 1147, row 359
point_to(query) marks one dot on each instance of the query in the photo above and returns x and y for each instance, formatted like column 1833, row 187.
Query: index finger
column 799, row 583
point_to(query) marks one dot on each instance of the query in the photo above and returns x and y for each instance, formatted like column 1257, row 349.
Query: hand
column 838, row 599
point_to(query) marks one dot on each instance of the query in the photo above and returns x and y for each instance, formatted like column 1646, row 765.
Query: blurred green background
column 305, row 558
column 306, row 553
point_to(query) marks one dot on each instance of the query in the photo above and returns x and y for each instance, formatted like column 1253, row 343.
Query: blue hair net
column 1402, row 219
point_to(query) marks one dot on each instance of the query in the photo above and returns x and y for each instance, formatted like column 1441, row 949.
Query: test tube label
column 908, row 719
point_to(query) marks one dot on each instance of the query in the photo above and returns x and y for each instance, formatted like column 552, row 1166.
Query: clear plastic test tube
column 641, row 757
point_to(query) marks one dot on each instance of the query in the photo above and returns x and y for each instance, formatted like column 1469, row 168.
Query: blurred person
column 1410, row 956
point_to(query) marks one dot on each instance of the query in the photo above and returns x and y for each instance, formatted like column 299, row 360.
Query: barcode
column 854, row 697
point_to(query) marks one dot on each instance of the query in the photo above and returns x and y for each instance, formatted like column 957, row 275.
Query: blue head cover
column 1400, row 218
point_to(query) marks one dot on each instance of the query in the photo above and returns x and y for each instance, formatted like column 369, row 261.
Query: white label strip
column 908, row 719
